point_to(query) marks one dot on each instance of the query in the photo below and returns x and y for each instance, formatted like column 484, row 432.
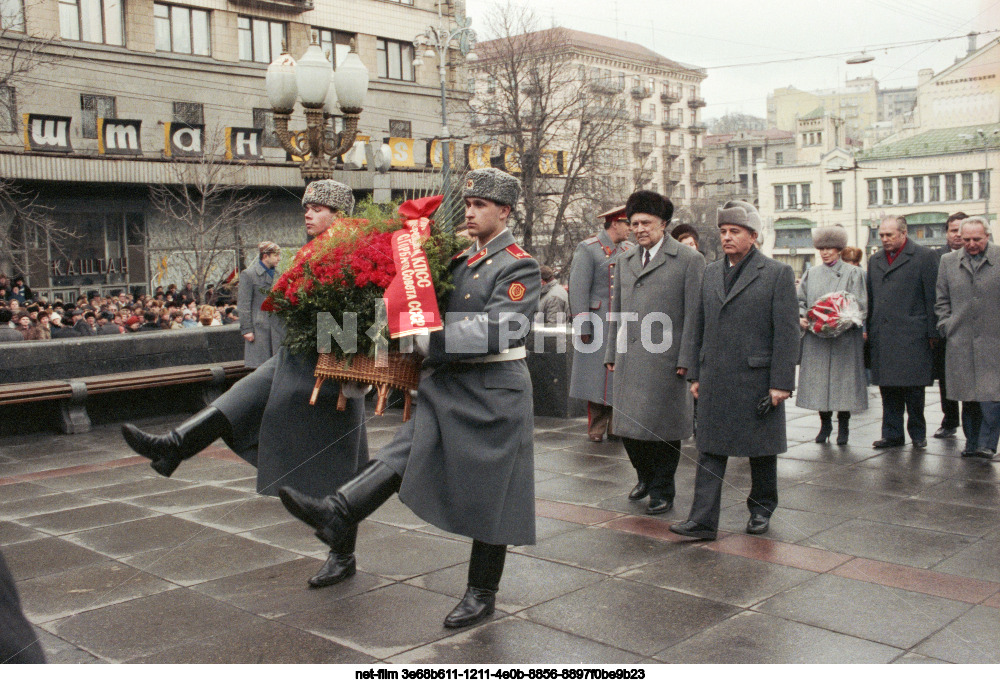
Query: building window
column 966, row 186
column 779, row 198
column 12, row 15
column 744, row 183
column 8, row 110
column 680, row 191
column 950, row 188
column 335, row 44
column 191, row 113
column 903, row 190
column 261, row 40
column 779, row 158
column 400, row 129
column 264, row 119
column 918, row 189
column 395, row 59
column 92, row 21
column 935, row 183
column 872, row 193
column 887, row 190
column 95, row 107
column 838, row 195
column 984, row 184
column 743, row 156
column 793, row 199
column 182, row 30
column 806, row 197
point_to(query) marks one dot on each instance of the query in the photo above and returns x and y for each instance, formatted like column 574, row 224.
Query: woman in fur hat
column 832, row 372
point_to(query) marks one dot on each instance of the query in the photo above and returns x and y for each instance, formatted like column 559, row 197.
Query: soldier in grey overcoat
column 832, row 369
column 653, row 343
column 267, row 420
column 262, row 331
column 465, row 461
column 902, row 330
column 591, row 279
column 749, row 342
column 968, row 315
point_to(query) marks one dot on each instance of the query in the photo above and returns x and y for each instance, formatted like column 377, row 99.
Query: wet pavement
column 873, row 556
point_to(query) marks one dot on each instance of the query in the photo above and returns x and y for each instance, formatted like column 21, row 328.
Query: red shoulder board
column 517, row 252
column 476, row 258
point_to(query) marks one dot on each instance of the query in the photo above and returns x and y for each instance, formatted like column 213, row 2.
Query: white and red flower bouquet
column 834, row 314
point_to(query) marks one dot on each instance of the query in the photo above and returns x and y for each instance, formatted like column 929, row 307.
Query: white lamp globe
column 351, row 78
column 330, row 105
column 280, row 84
column 312, row 75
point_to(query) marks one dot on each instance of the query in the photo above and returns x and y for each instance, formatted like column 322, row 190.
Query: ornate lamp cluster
column 322, row 92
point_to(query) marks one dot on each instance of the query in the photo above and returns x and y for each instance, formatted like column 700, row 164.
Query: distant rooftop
column 934, row 143
column 769, row 134
column 814, row 114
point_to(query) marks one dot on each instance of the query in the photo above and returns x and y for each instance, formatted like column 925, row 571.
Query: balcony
column 605, row 113
column 672, row 150
column 698, row 127
column 286, row 6
column 698, row 179
column 606, row 86
column 670, row 96
column 672, row 177
column 642, row 121
column 696, row 102
column 642, row 148
column 640, row 93
column 671, row 122
column 697, row 152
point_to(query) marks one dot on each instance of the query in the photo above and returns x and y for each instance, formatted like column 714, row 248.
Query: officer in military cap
column 591, row 281
column 267, row 420
column 465, row 462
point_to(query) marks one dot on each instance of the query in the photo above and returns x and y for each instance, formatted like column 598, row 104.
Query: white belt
column 516, row 353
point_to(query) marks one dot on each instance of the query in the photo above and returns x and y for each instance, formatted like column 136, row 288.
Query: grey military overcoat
column 968, row 310
column 901, row 316
column 312, row 448
column 832, row 370
column 268, row 329
column 590, row 282
column 467, row 457
column 651, row 401
column 749, row 345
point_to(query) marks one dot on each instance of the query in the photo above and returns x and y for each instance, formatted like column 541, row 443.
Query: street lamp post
column 985, row 139
column 322, row 92
column 437, row 40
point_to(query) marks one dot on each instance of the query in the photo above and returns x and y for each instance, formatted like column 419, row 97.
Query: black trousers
column 655, row 463
column 708, row 480
column 894, row 401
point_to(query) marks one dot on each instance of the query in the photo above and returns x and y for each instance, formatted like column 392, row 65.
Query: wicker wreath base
column 402, row 372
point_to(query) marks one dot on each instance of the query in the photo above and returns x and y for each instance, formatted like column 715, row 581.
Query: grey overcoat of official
column 268, row 329
column 901, row 316
column 467, row 457
column 313, row 448
column 832, row 371
column 590, row 282
column 651, row 401
column 968, row 311
column 749, row 345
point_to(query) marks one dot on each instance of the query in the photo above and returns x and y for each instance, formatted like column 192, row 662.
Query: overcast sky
column 717, row 34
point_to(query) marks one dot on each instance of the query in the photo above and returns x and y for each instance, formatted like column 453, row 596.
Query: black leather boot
column 843, row 427
column 826, row 426
column 485, row 570
column 187, row 439
column 340, row 564
column 336, row 517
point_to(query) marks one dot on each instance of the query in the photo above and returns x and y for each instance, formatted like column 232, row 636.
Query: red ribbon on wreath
column 410, row 300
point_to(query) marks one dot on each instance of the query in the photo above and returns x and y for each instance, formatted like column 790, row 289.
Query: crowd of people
column 25, row 316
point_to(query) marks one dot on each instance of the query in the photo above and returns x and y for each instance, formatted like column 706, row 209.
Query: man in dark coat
column 267, row 420
column 749, row 331
column 951, row 420
column 654, row 310
column 465, row 461
column 591, row 280
column 18, row 642
column 8, row 333
column 262, row 331
column 902, row 330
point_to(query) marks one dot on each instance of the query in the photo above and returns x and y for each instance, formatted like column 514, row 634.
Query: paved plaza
column 873, row 557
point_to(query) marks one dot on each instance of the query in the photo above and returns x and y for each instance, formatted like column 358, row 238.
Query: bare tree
column 735, row 122
column 200, row 214
column 535, row 96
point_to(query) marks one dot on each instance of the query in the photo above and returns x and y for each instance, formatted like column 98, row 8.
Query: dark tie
column 645, row 257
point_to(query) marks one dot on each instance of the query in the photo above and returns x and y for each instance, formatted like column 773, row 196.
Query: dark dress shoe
column 984, row 453
column 338, row 567
column 639, row 491
column 187, row 439
column 887, row 443
column 596, row 439
column 657, row 506
column 477, row 604
column 693, row 530
column 920, row 443
column 758, row 524
column 971, row 453
column 945, row 433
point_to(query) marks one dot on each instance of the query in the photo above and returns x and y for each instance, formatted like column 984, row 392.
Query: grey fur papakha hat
column 834, row 237
column 743, row 214
column 492, row 184
column 331, row 194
